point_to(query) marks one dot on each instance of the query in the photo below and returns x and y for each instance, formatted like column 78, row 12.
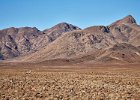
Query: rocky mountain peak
column 126, row 20
column 59, row 29
column 67, row 26
column 62, row 27
column 129, row 19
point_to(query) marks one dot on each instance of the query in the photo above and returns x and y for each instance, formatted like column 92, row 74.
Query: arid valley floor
column 69, row 82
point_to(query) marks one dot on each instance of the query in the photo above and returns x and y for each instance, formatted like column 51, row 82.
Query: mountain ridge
column 26, row 40
column 66, row 41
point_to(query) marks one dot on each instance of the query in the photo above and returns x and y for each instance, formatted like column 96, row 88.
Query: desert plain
column 69, row 82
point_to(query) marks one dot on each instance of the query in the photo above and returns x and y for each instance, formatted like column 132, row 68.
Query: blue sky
column 83, row 13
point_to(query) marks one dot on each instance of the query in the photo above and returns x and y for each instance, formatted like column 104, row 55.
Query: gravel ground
column 70, row 84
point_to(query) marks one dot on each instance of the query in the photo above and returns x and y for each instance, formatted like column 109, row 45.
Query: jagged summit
column 65, row 24
column 58, row 29
column 129, row 19
column 126, row 20
column 63, row 27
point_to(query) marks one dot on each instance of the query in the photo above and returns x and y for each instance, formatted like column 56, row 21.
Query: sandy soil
column 69, row 82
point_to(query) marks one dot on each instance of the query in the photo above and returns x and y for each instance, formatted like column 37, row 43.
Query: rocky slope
column 126, row 30
column 117, row 42
column 122, row 52
column 15, row 42
column 59, row 29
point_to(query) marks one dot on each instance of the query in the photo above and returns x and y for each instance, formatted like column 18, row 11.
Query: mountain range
column 118, row 42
